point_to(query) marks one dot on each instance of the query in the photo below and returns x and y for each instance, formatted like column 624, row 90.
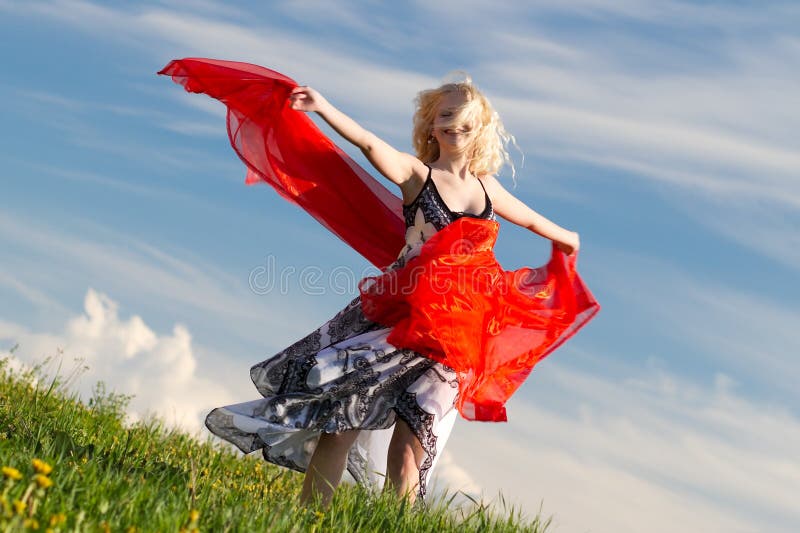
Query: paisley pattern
column 344, row 375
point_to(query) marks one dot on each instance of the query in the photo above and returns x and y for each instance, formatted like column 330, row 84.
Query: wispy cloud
column 769, row 229
column 738, row 328
column 81, row 124
column 134, row 269
column 718, row 122
column 53, row 103
column 30, row 293
column 650, row 451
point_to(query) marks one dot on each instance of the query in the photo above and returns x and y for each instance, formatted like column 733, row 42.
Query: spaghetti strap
column 482, row 187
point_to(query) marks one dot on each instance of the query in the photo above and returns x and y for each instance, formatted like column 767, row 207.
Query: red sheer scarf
column 453, row 303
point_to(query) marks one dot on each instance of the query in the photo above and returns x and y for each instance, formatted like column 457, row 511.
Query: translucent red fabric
column 453, row 302
column 284, row 148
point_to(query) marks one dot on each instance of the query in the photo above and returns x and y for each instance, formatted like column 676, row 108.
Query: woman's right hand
column 304, row 98
column 570, row 245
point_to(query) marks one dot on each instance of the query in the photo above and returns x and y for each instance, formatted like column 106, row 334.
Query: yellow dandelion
column 19, row 506
column 57, row 519
column 11, row 472
column 31, row 523
column 41, row 467
column 194, row 514
column 43, row 481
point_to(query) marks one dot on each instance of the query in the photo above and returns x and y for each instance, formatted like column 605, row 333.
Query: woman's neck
column 456, row 164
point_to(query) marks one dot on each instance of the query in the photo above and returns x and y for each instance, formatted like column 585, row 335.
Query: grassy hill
column 73, row 466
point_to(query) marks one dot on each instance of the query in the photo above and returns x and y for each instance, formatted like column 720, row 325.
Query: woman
column 345, row 394
column 459, row 140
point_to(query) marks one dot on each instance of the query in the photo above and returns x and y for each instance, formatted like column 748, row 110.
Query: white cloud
column 451, row 477
column 160, row 370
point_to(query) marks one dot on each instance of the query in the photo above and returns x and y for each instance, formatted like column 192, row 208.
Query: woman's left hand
column 304, row 98
column 571, row 245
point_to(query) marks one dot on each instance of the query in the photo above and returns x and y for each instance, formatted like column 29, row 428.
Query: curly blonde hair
column 487, row 152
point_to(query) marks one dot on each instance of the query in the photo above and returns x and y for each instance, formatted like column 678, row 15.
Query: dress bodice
column 428, row 214
column 435, row 211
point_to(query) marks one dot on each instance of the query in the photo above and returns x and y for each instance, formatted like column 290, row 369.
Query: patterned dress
column 344, row 375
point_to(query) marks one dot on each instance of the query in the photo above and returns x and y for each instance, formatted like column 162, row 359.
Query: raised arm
column 397, row 166
column 514, row 210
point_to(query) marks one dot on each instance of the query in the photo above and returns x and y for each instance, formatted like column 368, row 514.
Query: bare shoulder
column 416, row 178
column 490, row 183
column 419, row 170
column 494, row 188
column 506, row 204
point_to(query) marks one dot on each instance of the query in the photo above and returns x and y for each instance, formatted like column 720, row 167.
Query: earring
column 431, row 139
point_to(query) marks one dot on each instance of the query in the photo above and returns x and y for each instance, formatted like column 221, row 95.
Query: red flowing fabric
column 453, row 302
column 457, row 305
column 284, row 148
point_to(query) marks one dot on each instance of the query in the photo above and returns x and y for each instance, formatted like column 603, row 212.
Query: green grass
column 109, row 476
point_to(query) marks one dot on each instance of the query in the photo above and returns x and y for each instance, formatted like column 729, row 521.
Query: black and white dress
column 344, row 375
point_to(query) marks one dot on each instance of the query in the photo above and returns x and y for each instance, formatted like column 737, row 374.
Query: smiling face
column 449, row 129
column 456, row 119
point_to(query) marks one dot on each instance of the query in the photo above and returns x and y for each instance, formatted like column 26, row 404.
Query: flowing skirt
column 344, row 375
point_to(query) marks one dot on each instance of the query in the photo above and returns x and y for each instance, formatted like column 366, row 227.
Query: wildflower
column 43, row 481
column 31, row 523
column 41, row 467
column 194, row 514
column 57, row 519
column 19, row 506
column 11, row 472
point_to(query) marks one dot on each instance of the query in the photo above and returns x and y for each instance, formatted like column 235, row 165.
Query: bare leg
column 327, row 466
column 403, row 461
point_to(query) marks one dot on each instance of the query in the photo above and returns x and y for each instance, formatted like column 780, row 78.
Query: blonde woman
column 344, row 397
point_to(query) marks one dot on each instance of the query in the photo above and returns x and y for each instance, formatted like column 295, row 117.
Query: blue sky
column 663, row 132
